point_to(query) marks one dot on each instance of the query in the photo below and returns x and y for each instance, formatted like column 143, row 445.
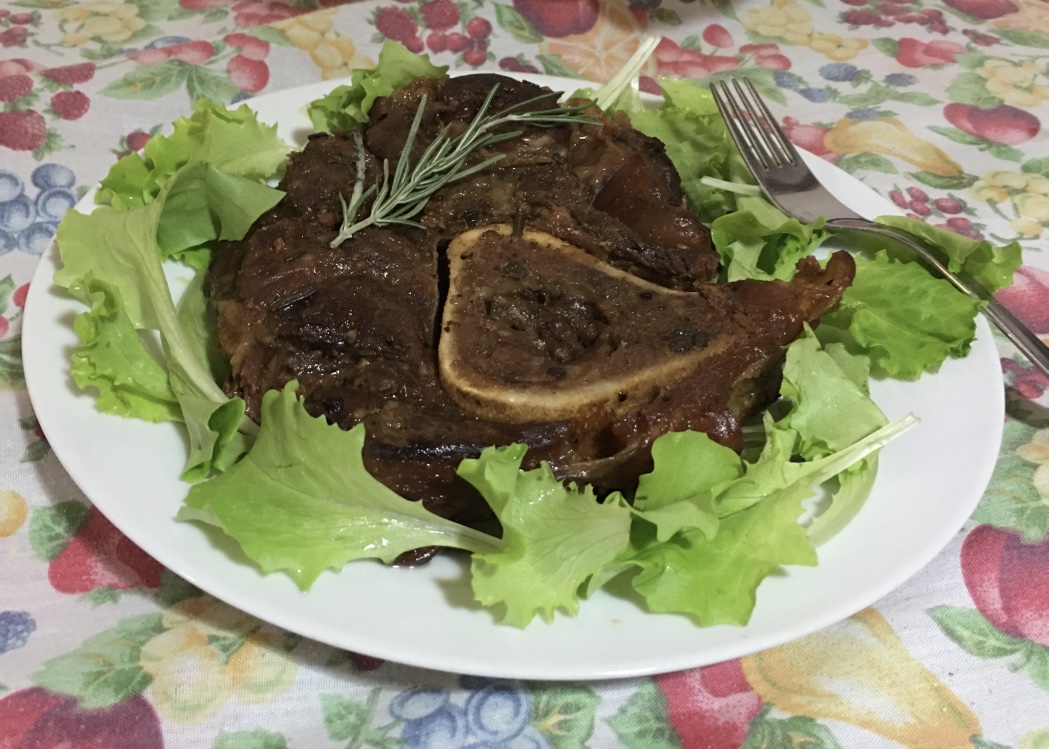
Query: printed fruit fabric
column 35, row 718
column 999, row 566
column 100, row 556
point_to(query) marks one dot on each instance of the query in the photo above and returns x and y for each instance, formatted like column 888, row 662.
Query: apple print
column 1005, row 578
column 1002, row 124
column 558, row 18
column 34, row 718
column 710, row 707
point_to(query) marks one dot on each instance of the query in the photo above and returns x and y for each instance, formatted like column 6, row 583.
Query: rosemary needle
column 399, row 197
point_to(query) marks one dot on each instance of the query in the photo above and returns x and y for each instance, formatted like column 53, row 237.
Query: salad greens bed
column 293, row 491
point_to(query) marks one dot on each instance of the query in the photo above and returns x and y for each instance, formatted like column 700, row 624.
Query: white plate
column 930, row 481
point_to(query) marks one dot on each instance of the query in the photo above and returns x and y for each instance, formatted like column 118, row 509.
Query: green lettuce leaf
column 123, row 250
column 555, row 537
column 112, row 360
column 301, row 500
column 989, row 265
column 830, row 408
column 697, row 143
column 348, row 106
column 715, row 579
column 232, row 139
column 904, row 319
column 677, row 493
column 760, row 241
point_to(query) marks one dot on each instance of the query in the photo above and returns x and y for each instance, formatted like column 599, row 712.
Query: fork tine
column 751, row 120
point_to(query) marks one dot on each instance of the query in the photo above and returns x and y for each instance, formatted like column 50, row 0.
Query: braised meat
column 564, row 297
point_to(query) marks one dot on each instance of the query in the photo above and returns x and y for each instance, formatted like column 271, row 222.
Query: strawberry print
column 440, row 15
column 71, row 75
column 14, row 87
column 248, row 74
column 70, row 105
column 249, row 46
column 396, row 24
column 100, row 556
column 22, row 130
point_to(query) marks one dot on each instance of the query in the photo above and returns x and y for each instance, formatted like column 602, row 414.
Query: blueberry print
column 863, row 114
column 416, row 704
column 495, row 714
column 498, row 712
column 786, row 80
column 15, row 628
column 29, row 214
column 17, row 214
column 8, row 242
column 900, row 79
column 10, row 186
column 818, row 95
column 445, row 726
column 37, row 237
column 50, row 176
column 52, row 204
column 167, row 41
column 841, row 72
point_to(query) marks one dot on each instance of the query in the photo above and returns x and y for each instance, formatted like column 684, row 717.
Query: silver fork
column 794, row 189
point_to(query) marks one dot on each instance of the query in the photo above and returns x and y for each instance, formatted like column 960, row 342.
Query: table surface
column 936, row 105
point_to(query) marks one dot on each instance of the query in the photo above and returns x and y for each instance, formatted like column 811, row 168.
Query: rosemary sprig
column 400, row 197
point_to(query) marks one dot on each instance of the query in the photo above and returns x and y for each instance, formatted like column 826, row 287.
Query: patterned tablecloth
column 937, row 104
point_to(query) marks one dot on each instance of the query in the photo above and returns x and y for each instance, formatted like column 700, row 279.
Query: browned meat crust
column 565, row 298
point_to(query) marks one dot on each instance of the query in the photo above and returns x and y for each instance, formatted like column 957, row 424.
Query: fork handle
column 1021, row 336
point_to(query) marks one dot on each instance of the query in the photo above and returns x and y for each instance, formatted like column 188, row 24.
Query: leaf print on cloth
column 1011, row 501
column 35, row 717
column 352, row 722
column 859, row 672
column 563, row 713
column 105, row 669
column 644, row 720
column 38, row 446
column 198, row 67
column 257, row 739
